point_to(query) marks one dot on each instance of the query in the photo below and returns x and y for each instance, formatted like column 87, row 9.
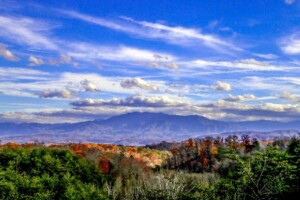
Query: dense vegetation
column 210, row 168
column 44, row 173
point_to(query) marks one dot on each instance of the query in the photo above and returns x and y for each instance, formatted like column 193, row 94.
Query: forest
column 206, row 168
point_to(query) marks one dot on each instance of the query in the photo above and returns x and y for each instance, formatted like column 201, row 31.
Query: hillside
column 140, row 128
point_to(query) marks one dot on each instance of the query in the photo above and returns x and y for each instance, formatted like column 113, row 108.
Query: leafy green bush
column 269, row 174
column 44, row 173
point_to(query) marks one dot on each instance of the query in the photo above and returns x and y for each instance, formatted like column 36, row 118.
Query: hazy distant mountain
column 138, row 128
column 261, row 135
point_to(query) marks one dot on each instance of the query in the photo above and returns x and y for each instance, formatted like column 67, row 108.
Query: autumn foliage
column 201, row 168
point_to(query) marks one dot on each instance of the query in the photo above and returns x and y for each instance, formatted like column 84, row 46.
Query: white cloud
column 162, row 61
column 40, row 116
column 17, row 74
column 266, row 56
column 91, row 52
column 90, row 109
column 171, row 65
column 34, row 61
column 222, row 110
column 289, row 96
column 273, row 84
column 240, row 98
column 183, row 35
column 251, row 62
column 291, row 44
column 8, row 55
column 221, row 86
column 26, row 31
column 89, row 86
column 240, row 112
column 132, row 101
column 63, row 59
column 290, row 80
column 64, row 93
column 12, row 82
column 99, row 21
column 171, row 34
column 137, row 82
column 109, row 85
column 120, row 53
column 244, row 64
column 37, row 34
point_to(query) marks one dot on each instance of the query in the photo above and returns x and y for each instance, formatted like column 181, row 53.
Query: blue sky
column 70, row 61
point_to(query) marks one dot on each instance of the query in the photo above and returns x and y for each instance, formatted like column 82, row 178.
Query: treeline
column 208, row 168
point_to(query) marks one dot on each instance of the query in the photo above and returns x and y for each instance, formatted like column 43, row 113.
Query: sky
column 72, row 61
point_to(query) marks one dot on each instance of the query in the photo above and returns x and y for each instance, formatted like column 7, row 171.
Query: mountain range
column 142, row 128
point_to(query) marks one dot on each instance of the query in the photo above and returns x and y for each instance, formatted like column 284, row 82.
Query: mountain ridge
column 137, row 127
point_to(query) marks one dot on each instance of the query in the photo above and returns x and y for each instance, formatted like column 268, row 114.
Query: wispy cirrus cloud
column 27, row 31
column 131, row 55
column 243, row 64
column 18, row 74
column 269, row 56
column 273, row 85
column 38, row 34
column 115, row 53
column 171, row 34
column 186, row 35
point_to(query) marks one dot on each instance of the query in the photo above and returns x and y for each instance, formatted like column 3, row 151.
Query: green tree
column 44, row 173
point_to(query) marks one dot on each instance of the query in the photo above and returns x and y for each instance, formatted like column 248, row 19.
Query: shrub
column 43, row 173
